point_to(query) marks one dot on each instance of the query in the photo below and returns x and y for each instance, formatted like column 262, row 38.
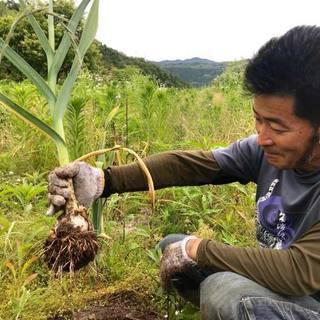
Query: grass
column 150, row 120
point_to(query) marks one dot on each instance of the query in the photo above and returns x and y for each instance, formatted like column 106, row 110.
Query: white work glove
column 175, row 262
column 88, row 183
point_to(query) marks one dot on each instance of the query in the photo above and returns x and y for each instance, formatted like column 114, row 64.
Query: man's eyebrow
column 271, row 119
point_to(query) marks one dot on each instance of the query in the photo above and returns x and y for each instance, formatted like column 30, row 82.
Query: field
column 131, row 110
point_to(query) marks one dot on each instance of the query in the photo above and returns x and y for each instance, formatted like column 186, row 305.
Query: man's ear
column 316, row 133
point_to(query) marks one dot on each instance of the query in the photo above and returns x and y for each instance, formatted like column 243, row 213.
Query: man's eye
column 278, row 129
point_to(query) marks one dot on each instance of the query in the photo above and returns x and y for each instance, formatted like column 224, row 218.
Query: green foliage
column 17, row 133
column 25, row 42
column 6, row 6
column 21, row 193
column 230, row 82
column 75, row 126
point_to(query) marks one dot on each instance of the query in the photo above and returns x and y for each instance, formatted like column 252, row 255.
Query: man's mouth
column 269, row 154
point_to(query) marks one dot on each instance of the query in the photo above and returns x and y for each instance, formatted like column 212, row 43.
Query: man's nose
column 264, row 137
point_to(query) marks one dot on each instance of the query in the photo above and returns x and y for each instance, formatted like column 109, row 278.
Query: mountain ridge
column 187, row 61
column 196, row 71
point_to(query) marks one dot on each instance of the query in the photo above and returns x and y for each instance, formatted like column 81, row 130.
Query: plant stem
column 52, row 78
column 51, row 25
column 63, row 154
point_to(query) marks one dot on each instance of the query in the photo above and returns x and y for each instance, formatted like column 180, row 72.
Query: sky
column 219, row 30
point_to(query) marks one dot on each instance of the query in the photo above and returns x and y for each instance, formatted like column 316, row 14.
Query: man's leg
column 229, row 296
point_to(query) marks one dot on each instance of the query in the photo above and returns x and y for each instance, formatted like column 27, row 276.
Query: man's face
column 288, row 141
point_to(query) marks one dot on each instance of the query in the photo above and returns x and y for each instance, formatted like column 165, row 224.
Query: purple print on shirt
column 274, row 230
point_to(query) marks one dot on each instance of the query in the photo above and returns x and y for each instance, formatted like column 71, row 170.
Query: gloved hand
column 175, row 262
column 169, row 239
column 88, row 183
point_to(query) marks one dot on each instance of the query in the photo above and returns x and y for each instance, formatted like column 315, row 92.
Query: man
column 281, row 278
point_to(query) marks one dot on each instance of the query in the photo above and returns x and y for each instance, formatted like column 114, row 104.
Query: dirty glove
column 175, row 262
column 88, row 183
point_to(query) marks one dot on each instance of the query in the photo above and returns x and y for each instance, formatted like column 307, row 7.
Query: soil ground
column 119, row 306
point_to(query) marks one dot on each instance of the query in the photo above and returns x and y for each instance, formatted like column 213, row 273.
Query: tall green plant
column 57, row 97
column 75, row 126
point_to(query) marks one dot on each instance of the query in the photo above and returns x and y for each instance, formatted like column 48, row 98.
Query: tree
column 24, row 41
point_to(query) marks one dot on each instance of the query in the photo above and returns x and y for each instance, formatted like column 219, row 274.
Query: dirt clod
column 119, row 306
column 123, row 305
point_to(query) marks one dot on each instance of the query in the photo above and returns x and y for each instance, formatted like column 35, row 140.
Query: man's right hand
column 88, row 183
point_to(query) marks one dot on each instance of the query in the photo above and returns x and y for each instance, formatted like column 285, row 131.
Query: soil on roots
column 125, row 305
column 69, row 249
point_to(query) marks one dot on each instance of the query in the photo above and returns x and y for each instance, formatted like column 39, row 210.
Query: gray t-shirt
column 288, row 202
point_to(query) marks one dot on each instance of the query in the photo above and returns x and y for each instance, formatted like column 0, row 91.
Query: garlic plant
column 72, row 243
column 57, row 96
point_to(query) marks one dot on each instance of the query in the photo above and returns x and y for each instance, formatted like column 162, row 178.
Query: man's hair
column 289, row 66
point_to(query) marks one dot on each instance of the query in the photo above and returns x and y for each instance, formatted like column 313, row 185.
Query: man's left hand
column 175, row 261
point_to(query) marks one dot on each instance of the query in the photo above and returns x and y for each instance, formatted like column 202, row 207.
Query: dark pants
column 229, row 296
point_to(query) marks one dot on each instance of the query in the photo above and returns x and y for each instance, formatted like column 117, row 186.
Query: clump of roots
column 73, row 243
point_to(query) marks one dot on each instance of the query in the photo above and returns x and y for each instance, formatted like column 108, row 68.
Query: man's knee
column 221, row 294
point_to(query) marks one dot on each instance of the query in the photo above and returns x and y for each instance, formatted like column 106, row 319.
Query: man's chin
column 278, row 164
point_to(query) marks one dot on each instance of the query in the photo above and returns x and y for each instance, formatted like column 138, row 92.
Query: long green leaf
column 38, row 30
column 27, row 70
column 66, row 41
column 90, row 28
column 31, row 119
column 86, row 40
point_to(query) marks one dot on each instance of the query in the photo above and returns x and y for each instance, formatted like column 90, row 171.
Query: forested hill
column 196, row 71
column 114, row 58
